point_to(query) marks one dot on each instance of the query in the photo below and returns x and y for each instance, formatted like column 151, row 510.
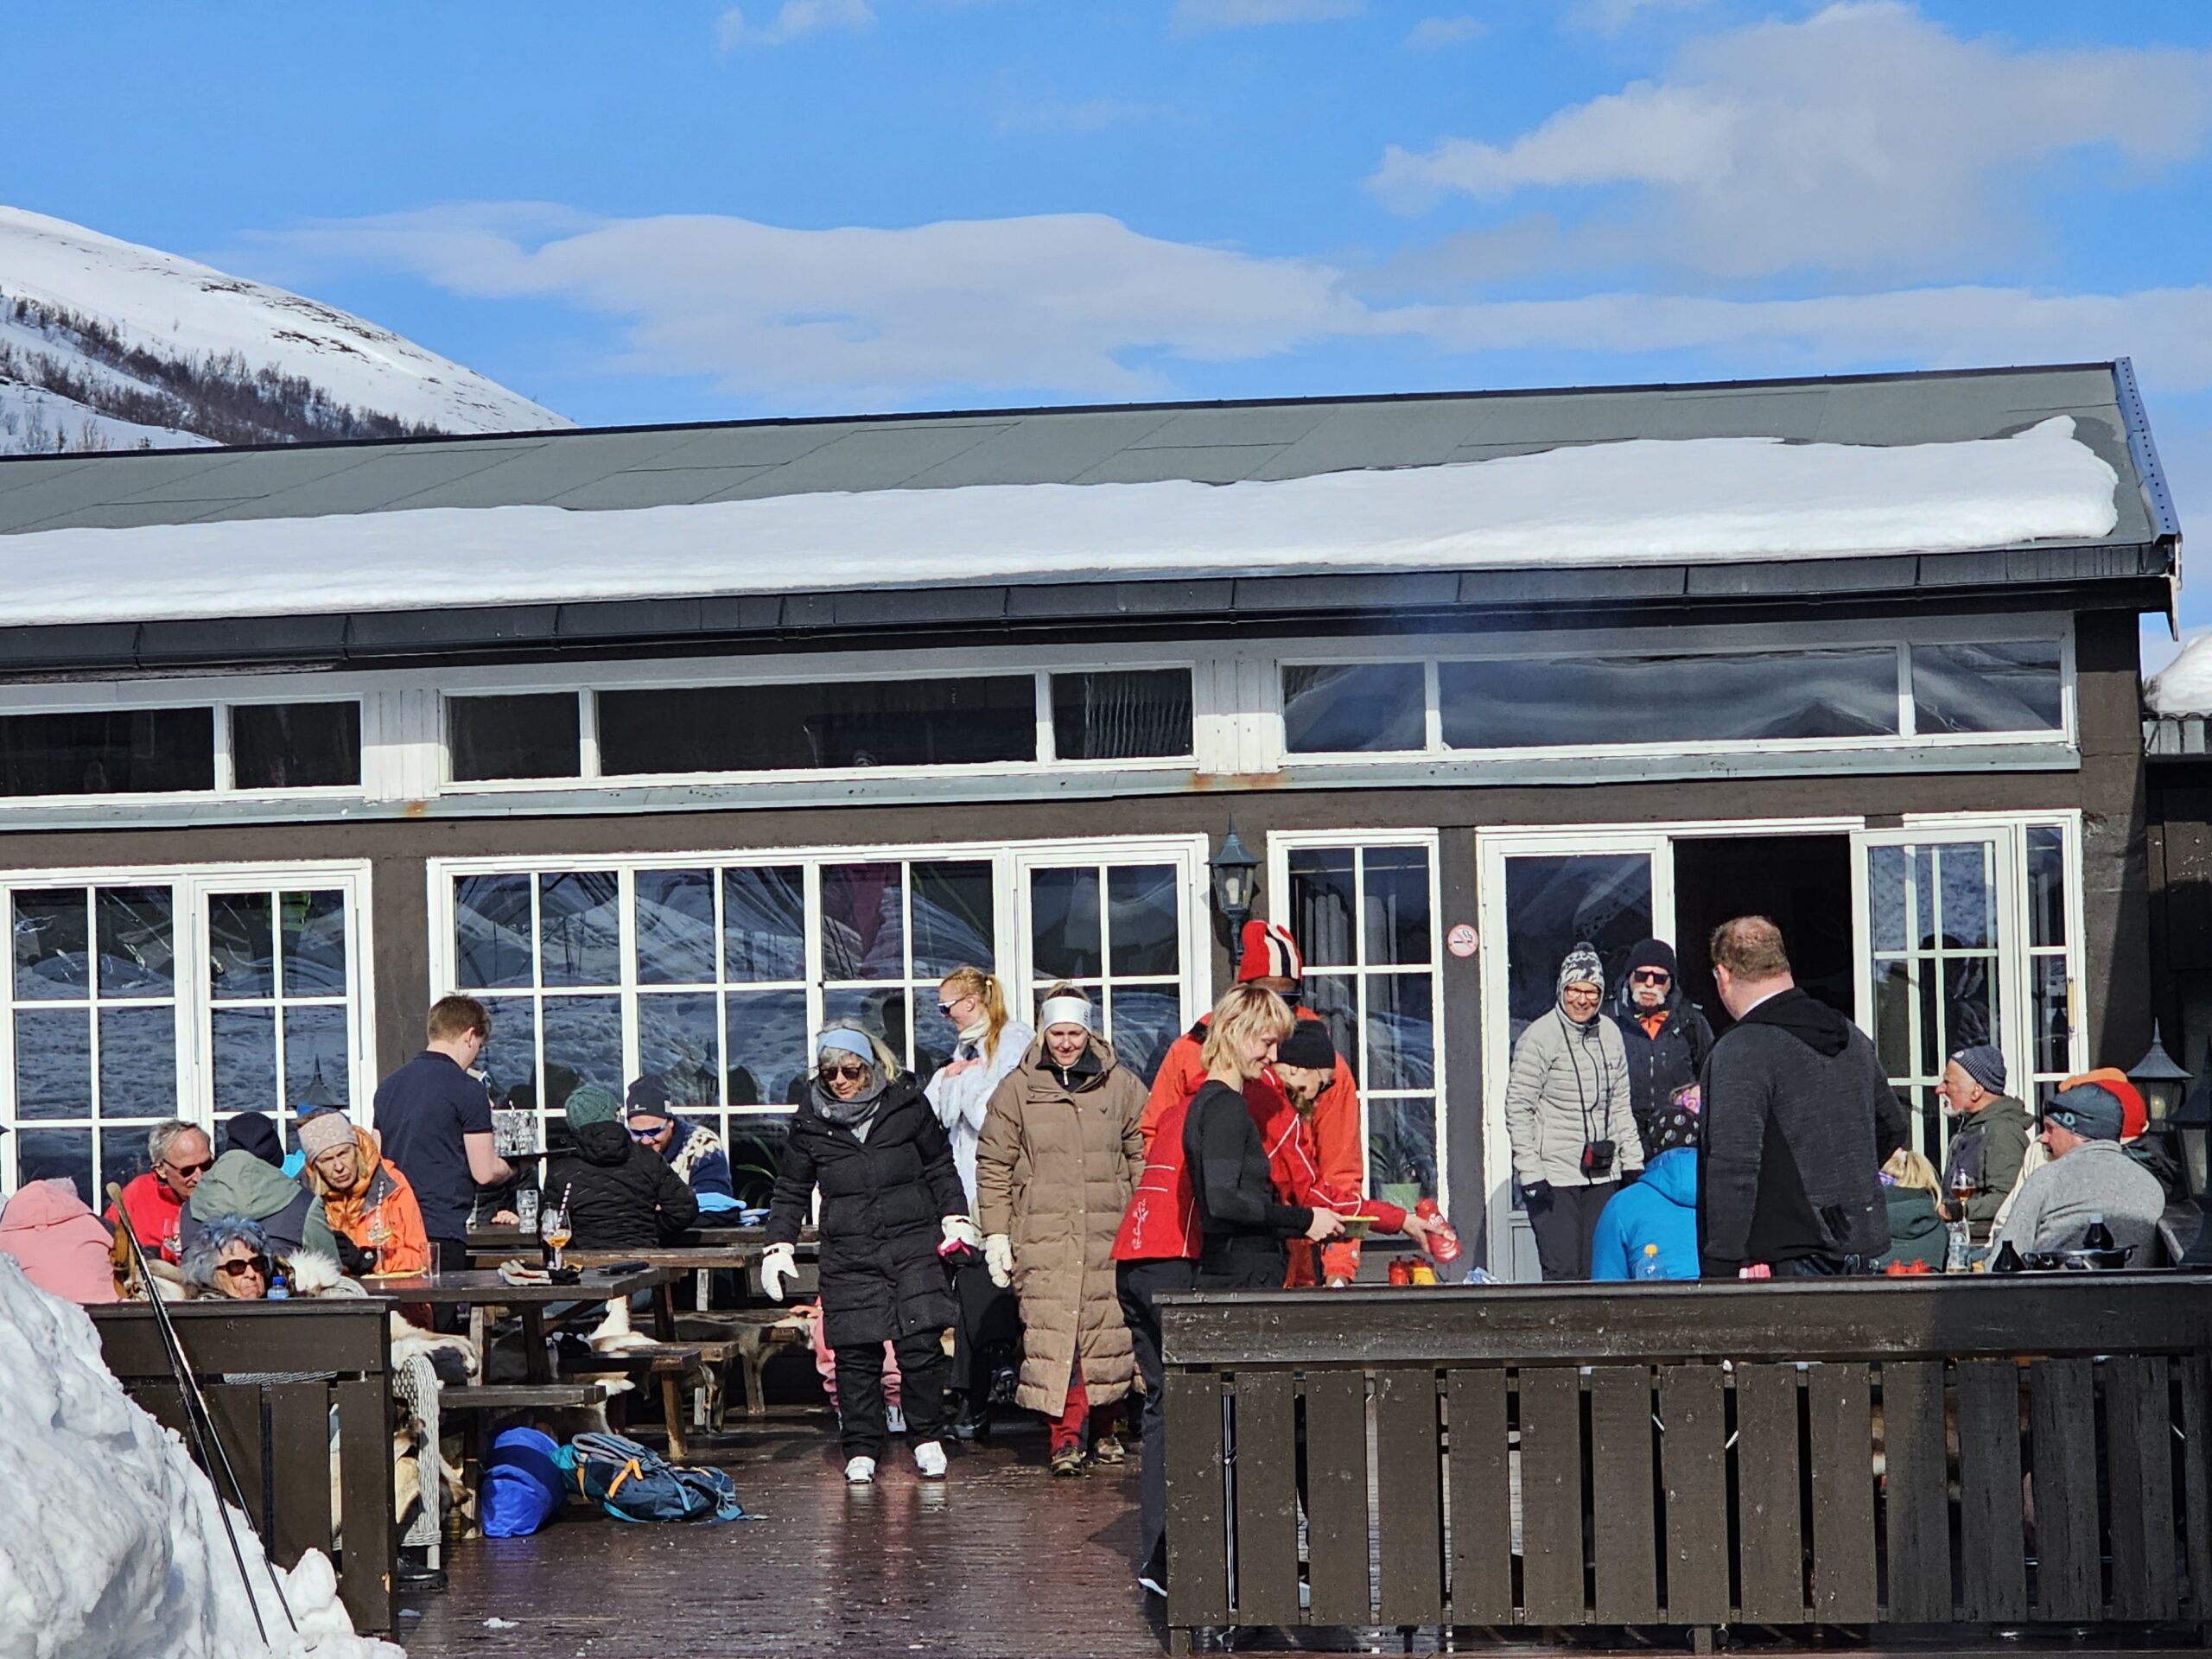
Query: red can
column 1402, row 1270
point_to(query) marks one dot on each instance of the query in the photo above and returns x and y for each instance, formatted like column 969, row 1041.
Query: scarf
column 845, row 1114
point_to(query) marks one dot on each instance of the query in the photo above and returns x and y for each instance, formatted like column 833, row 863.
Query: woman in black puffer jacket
column 891, row 1196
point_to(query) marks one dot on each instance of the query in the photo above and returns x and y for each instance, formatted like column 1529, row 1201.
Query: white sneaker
column 929, row 1457
column 895, row 1420
column 860, row 1471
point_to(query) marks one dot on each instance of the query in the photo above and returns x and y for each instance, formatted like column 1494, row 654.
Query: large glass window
column 1365, row 919
column 108, row 752
column 1935, row 912
column 2014, row 686
column 490, row 739
column 279, row 1031
column 1354, row 707
column 1113, row 931
column 296, row 745
column 1578, row 702
column 886, row 723
column 1132, row 714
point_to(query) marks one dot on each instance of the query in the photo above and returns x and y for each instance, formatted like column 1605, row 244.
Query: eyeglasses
column 854, row 1072
column 200, row 1168
column 243, row 1266
column 946, row 1008
column 646, row 1135
column 1650, row 976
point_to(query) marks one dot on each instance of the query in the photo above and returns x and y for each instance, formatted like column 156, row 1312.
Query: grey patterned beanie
column 1582, row 967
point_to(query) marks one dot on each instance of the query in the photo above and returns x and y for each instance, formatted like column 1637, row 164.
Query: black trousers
column 1137, row 1283
column 861, row 1420
column 1566, row 1220
column 990, row 1320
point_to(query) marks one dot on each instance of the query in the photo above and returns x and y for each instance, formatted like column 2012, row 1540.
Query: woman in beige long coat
column 1060, row 1152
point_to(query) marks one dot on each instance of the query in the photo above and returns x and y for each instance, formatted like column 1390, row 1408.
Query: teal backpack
column 634, row 1482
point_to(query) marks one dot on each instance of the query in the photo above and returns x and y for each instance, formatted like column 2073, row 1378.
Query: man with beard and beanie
column 1567, row 1116
column 1798, row 1118
column 1989, row 1141
column 1665, row 1036
column 1649, row 1230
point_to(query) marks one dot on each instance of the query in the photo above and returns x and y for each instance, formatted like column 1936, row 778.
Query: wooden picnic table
column 698, row 1251
column 480, row 1288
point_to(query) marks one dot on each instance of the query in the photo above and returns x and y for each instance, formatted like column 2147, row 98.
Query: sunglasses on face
column 852, row 1073
column 200, row 1168
column 243, row 1266
column 946, row 1008
column 1650, row 976
column 646, row 1135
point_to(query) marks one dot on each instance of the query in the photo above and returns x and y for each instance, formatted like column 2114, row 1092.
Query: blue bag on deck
column 633, row 1482
column 523, row 1484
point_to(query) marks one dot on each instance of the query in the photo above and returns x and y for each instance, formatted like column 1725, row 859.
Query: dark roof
column 1222, row 442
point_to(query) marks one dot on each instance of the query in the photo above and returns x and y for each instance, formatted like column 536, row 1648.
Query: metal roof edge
column 2144, row 451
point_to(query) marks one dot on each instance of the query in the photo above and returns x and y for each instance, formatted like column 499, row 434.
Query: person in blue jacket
column 1661, row 1208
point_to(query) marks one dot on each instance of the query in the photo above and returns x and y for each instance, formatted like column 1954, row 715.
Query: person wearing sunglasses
column 180, row 1153
column 893, row 1212
column 694, row 1151
column 1665, row 1035
column 234, row 1258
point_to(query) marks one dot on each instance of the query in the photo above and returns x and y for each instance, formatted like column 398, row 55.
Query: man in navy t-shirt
column 436, row 1120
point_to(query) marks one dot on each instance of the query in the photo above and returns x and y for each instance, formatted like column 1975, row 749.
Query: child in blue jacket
column 1662, row 1208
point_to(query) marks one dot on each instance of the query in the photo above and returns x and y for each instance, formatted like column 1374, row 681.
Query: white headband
column 1063, row 1011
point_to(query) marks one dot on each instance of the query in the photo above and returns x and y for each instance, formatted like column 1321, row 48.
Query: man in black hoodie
column 1798, row 1120
column 1665, row 1037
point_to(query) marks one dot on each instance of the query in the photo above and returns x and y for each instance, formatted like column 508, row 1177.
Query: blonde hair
column 973, row 982
column 1749, row 947
column 1908, row 1168
column 1245, row 1010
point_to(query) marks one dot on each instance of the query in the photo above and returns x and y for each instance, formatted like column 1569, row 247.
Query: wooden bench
column 749, row 1335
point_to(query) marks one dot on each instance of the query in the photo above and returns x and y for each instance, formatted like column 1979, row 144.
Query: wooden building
column 671, row 743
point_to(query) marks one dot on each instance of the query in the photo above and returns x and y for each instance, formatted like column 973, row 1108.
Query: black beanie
column 1308, row 1046
column 1653, row 953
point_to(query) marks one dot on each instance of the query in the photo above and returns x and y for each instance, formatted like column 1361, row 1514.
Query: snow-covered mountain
column 104, row 345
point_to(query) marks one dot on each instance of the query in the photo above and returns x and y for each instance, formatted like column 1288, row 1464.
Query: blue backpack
column 633, row 1482
column 523, row 1486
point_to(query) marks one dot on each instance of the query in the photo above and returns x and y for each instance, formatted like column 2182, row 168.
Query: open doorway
column 1802, row 881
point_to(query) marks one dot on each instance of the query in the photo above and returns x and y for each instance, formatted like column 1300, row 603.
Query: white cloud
column 1432, row 33
column 1204, row 16
column 1081, row 305
column 794, row 19
column 1864, row 139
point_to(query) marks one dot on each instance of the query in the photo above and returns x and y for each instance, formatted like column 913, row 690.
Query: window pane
column 51, row 961
column 1966, row 889
column 1144, row 917
column 138, row 1063
column 583, row 1043
column 2047, row 885
column 764, row 925
column 863, row 922
column 1400, row 1033
column 1122, row 717
column 2047, row 981
column 1357, row 709
column 1145, row 1019
column 1889, row 869
column 510, row 1059
column 1335, row 997
column 1740, row 697
column 107, row 752
column 1401, row 1150
column 54, row 1063
column 1064, row 931
column 2013, row 687
column 1323, row 905
column 243, row 1041
column 312, row 926
column 953, row 918
column 679, row 1041
column 534, row 736
column 879, row 1013
column 491, row 920
column 579, row 929
column 296, row 745
column 1553, row 902
column 137, row 941
column 317, row 1071
column 1397, row 904
column 241, row 946
column 123, row 1158
column 919, row 723
column 676, row 927
column 756, row 1154
column 42, row 1154
column 767, row 1053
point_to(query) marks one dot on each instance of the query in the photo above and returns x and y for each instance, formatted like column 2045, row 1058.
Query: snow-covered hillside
column 104, row 345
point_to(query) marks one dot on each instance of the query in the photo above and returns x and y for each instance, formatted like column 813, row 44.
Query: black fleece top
column 1236, row 1199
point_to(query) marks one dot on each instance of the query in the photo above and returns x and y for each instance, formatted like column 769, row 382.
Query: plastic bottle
column 278, row 1290
column 2098, row 1237
column 1442, row 1239
column 1648, row 1267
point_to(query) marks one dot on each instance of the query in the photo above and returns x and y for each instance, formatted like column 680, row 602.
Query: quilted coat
column 1059, row 1156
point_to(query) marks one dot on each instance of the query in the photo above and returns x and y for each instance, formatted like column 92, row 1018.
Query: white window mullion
column 588, row 733
column 626, row 905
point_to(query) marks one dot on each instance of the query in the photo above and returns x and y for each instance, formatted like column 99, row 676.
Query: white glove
column 779, row 1267
column 958, row 1229
column 998, row 1256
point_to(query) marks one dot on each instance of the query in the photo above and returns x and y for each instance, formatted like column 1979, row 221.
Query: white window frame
column 189, row 885
column 1280, row 844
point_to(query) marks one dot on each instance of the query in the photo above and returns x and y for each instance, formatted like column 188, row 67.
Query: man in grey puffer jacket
column 1567, row 1115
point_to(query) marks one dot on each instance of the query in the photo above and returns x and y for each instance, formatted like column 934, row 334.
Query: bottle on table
column 1443, row 1238
column 278, row 1290
column 2098, row 1237
column 2007, row 1260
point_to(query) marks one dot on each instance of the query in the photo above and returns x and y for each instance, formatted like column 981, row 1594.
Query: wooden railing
column 1939, row 1451
column 273, row 1374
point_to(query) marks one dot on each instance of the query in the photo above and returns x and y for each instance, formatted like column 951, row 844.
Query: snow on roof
column 2183, row 686
column 1644, row 501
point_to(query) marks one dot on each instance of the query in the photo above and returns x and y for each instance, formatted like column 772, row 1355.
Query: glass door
column 1542, row 893
column 1128, row 930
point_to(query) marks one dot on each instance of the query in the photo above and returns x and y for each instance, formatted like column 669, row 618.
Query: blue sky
column 675, row 211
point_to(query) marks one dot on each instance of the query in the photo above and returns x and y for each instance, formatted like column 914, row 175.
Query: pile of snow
column 2183, row 686
column 1647, row 501
column 184, row 312
column 111, row 1543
